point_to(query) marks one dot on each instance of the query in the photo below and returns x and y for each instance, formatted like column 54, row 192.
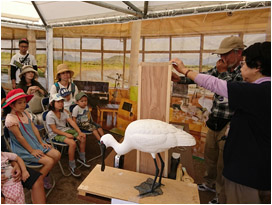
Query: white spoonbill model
column 151, row 136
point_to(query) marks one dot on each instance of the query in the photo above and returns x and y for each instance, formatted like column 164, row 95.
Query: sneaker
column 214, row 201
column 203, row 187
column 83, row 162
column 75, row 172
column 46, row 183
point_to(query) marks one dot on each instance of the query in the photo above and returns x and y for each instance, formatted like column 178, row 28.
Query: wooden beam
column 134, row 53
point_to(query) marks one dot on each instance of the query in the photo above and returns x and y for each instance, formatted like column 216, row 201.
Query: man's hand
column 221, row 66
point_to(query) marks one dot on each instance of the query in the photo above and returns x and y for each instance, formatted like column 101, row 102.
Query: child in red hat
column 25, row 139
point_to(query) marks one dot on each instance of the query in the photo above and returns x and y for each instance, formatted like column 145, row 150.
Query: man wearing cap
column 19, row 60
column 227, row 68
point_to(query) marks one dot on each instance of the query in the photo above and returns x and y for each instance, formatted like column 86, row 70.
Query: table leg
column 101, row 117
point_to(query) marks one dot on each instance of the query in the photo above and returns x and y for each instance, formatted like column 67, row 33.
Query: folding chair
column 45, row 103
column 32, row 165
column 55, row 143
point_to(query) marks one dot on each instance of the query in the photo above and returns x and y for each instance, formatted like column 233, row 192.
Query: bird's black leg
column 155, row 179
column 162, row 168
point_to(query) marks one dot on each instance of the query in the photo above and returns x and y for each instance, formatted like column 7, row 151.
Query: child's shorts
column 61, row 138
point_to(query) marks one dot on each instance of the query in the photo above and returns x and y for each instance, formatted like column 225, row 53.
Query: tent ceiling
column 61, row 13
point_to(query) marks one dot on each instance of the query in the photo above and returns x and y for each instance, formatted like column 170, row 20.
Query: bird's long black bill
column 103, row 149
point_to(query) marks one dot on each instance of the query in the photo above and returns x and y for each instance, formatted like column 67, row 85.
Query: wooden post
column 80, row 65
column 134, row 53
column 201, row 52
column 268, row 28
column 102, row 57
column 31, row 36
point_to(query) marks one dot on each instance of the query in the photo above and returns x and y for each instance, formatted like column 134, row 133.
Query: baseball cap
column 23, row 40
column 55, row 97
column 228, row 44
column 64, row 92
column 80, row 95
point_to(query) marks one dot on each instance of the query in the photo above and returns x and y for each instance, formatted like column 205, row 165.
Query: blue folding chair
column 32, row 165
column 45, row 103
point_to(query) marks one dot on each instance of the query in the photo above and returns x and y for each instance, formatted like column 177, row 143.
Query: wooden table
column 110, row 108
column 101, row 187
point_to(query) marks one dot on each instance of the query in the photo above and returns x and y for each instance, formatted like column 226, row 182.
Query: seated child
column 25, row 139
column 56, row 121
column 81, row 115
column 66, row 94
column 13, row 191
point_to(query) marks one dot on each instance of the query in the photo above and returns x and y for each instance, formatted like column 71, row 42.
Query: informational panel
column 153, row 103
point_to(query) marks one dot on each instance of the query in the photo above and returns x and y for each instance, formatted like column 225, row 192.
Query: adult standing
column 247, row 152
column 227, row 68
column 19, row 60
column 64, row 80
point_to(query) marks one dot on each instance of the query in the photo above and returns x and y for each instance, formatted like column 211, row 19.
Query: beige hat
column 28, row 68
column 228, row 44
column 63, row 68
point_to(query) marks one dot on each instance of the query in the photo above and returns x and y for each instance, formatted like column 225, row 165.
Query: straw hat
column 14, row 95
column 228, row 44
column 28, row 68
column 63, row 68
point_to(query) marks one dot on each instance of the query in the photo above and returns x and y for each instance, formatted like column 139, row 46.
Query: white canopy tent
column 63, row 13
column 46, row 15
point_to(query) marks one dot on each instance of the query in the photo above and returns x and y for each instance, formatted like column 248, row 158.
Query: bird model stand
column 150, row 136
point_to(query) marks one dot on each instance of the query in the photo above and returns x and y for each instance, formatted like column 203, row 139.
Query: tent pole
column 49, row 51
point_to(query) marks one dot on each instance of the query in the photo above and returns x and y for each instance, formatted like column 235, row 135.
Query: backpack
column 73, row 87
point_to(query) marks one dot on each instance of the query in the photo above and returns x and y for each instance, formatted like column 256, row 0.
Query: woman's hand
column 178, row 65
column 25, row 175
column 37, row 153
